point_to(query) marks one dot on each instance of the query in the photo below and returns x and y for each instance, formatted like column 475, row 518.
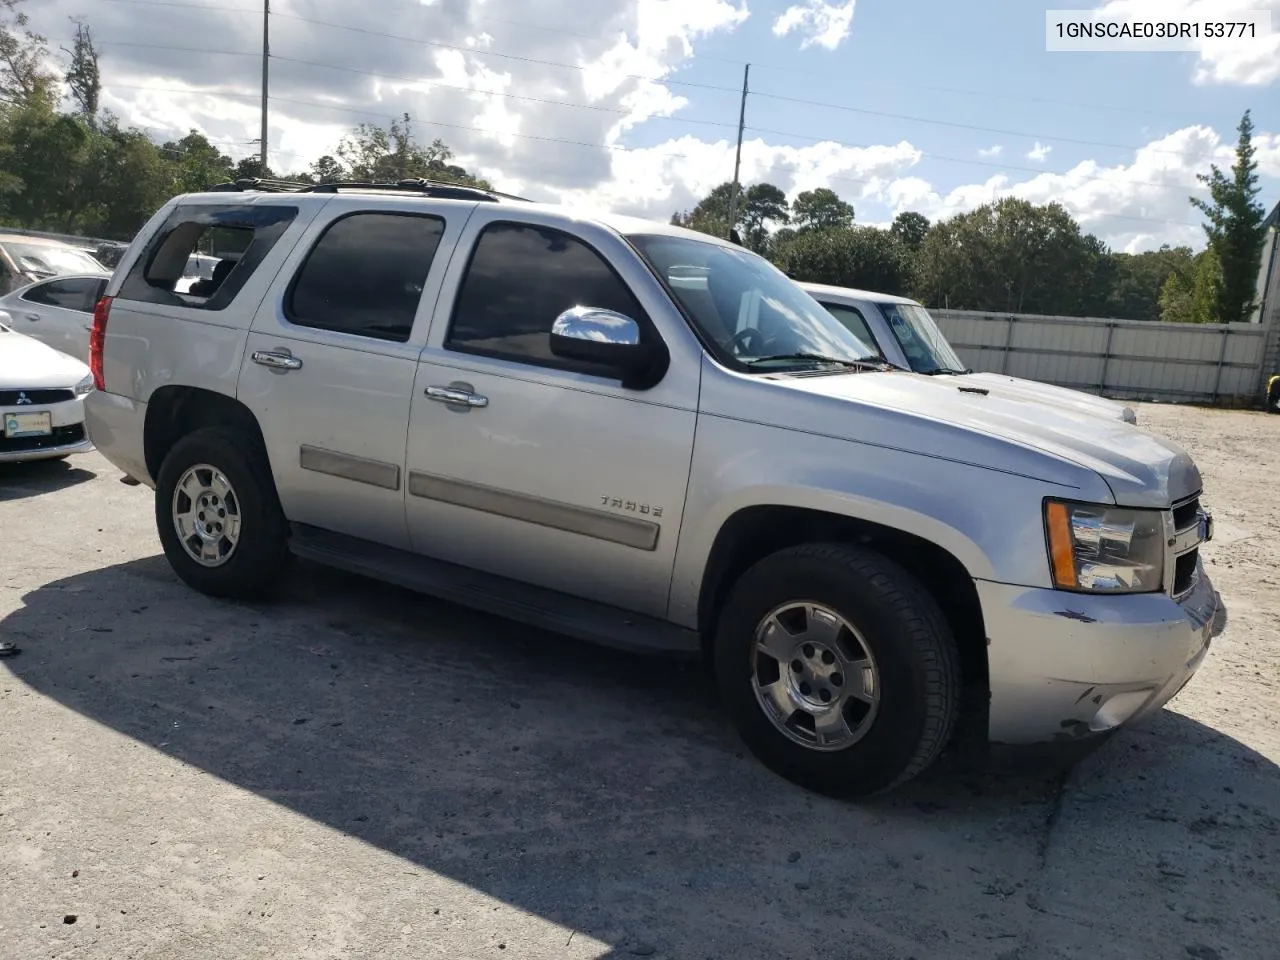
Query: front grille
column 23, row 398
column 61, row 437
column 1184, row 572
column 1185, row 513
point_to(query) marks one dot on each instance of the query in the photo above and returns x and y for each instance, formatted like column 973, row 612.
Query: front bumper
column 1064, row 666
column 69, row 434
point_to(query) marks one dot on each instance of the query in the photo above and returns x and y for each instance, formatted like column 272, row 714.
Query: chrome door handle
column 455, row 395
column 276, row 360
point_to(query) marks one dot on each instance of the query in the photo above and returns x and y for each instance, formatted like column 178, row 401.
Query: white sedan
column 58, row 311
column 42, row 395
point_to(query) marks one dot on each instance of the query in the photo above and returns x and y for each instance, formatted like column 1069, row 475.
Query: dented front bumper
column 1064, row 666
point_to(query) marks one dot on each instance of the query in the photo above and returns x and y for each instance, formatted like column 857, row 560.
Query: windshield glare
column 52, row 261
column 744, row 306
column 926, row 348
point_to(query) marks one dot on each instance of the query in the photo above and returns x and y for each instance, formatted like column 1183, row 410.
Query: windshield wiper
column 818, row 358
column 947, row 371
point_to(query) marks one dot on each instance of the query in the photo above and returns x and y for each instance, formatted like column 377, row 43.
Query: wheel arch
column 753, row 533
column 175, row 411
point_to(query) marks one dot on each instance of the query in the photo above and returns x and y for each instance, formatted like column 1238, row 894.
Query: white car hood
column 1140, row 468
column 27, row 364
column 1037, row 392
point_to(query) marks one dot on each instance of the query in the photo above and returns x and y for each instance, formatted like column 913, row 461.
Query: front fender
column 989, row 520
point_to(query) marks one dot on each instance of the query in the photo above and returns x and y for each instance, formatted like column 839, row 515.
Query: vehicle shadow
column 21, row 480
column 602, row 791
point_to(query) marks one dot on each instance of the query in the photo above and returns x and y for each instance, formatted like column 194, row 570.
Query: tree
column 390, row 154
column 764, row 204
column 328, row 170
column 83, row 76
column 1137, row 281
column 1192, row 296
column 711, row 215
column 24, row 79
column 820, row 209
column 862, row 257
column 1235, row 228
column 197, row 163
column 1012, row 256
column 911, row 228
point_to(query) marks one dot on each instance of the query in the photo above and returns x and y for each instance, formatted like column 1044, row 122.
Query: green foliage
column 1137, row 280
column 862, row 257
column 1011, row 256
column 911, row 228
column 389, row 154
column 1235, row 228
column 24, row 78
column 83, row 76
column 1192, row 296
column 820, row 209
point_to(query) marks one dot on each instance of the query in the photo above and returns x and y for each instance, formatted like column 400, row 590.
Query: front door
column 59, row 313
column 531, row 467
column 330, row 363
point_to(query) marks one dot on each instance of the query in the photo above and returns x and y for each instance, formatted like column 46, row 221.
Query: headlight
column 1100, row 549
column 84, row 386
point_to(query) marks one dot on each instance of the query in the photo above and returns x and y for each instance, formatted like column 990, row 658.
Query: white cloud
column 1254, row 62
column 822, row 24
column 992, row 151
column 1039, row 152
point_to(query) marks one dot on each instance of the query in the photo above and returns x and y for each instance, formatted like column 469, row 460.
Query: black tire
column 1273, row 397
column 910, row 640
column 261, row 554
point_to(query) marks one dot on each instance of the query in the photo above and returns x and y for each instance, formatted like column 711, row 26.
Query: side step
column 536, row 606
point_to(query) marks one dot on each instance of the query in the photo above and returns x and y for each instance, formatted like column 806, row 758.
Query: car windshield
column 746, row 309
column 50, row 260
column 917, row 333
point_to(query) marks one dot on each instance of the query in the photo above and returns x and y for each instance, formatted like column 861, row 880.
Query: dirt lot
column 356, row 772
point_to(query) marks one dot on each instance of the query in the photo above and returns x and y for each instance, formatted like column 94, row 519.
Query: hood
column 1036, row 392
column 935, row 417
column 27, row 364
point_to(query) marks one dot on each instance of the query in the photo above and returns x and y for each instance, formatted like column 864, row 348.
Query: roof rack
column 440, row 189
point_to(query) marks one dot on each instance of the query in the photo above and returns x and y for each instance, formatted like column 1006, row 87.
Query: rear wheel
column 838, row 668
column 218, row 515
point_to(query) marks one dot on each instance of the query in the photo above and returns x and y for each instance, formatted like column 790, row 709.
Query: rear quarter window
column 237, row 236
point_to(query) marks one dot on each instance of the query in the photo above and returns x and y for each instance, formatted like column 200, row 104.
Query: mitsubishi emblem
column 22, row 397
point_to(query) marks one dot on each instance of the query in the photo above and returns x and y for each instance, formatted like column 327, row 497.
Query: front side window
column 747, row 312
column 520, row 279
column 926, row 349
column 365, row 275
column 855, row 323
column 74, row 294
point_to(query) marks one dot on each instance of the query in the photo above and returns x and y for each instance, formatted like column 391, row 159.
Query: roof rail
column 440, row 189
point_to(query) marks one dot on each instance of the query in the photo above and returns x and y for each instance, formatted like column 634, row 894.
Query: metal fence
column 1124, row 359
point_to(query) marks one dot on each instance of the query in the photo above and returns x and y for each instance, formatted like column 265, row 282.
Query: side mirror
column 597, row 336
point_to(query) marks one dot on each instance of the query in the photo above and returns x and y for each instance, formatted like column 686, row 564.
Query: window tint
column 74, row 294
column 855, row 323
column 366, row 274
column 238, row 237
column 519, row 280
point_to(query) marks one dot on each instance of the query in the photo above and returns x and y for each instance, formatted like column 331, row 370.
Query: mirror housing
column 604, row 338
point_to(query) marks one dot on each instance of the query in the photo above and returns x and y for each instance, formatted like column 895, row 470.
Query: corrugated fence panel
column 1123, row 358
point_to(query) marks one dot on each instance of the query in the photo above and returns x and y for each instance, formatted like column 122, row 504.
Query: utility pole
column 737, row 160
column 266, row 57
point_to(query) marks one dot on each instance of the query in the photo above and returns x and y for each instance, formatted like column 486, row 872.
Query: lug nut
column 806, row 689
column 837, row 680
column 797, row 666
column 808, row 650
column 825, row 695
column 828, row 657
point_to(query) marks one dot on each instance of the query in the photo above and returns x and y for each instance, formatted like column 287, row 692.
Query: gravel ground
column 354, row 771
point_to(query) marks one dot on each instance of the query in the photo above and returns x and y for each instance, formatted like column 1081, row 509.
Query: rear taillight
column 97, row 341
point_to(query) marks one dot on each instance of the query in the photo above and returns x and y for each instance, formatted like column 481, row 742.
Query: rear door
column 59, row 313
column 331, row 357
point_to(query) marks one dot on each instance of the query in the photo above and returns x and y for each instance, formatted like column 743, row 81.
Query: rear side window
column 521, row 278
column 365, row 275
column 237, row 236
column 77, row 293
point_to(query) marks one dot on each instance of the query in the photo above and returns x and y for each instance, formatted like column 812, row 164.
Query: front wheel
column 218, row 515
column 838, row 668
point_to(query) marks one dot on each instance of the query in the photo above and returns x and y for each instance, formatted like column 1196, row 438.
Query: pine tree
column 1235, row 229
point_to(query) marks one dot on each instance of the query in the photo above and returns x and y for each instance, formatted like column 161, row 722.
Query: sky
column 632, row 105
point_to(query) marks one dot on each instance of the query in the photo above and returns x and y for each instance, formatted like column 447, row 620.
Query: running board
column 536, row 606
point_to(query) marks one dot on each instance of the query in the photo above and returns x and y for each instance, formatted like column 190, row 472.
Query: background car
column 42, row 395
column 25, row 259
column 905, row 334
column 57, row 312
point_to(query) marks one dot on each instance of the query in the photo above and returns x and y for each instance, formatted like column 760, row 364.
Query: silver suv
column 645, row 437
